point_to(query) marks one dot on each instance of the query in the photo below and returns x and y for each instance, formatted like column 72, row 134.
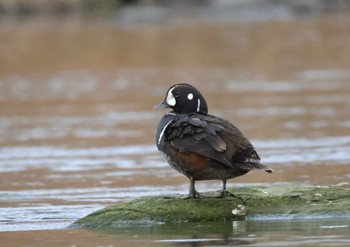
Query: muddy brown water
column 77, row 125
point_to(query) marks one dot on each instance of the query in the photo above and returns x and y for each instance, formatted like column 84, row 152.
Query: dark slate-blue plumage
column 199, row 145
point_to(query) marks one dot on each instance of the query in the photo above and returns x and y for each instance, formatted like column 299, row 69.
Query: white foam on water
column 30, row 215
column 284, row 86
column 57, row 152
column 283, row 151
column 56, row 127
column 42, row 216
column 324, row 74
column 92, row 194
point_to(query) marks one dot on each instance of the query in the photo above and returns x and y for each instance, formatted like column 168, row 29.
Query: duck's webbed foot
column 223, row 194
column 194, row 195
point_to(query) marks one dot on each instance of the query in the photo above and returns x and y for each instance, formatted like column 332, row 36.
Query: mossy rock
column 257, row 200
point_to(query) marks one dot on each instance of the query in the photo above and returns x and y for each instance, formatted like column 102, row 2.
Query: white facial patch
column 170, row 99
column 190, row 96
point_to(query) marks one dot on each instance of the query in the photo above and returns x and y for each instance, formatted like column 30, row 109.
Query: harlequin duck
column 199, row 145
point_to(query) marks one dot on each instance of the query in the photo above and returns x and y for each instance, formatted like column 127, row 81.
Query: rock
column 247, row 202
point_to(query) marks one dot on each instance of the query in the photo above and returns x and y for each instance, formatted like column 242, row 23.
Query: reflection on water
column 73, row 141
column 325, row 232
column 261, row 233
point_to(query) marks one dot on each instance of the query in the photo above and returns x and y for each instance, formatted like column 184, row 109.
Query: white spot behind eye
column 198, row 105
column 190, row 96
column 170, row 99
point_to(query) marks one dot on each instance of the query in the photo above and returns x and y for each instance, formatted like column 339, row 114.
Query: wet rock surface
column 269, row 200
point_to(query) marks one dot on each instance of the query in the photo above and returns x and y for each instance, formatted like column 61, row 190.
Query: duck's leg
column 224, row 186
column 192, row 193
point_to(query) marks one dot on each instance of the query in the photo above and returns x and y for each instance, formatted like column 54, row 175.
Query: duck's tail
column 257, row 166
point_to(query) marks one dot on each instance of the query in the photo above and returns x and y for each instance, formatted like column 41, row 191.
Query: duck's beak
column 161, row 105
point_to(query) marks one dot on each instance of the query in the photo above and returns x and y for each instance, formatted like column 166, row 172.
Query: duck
column 199, row 145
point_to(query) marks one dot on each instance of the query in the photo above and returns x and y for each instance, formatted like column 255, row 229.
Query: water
column 75, row 139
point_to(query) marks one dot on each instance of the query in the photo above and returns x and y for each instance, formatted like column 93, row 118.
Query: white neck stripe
column 162, row 133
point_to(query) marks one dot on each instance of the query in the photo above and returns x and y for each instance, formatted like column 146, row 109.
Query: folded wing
column 214, row 138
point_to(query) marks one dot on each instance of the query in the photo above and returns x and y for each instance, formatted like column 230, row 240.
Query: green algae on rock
column 258, row 200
